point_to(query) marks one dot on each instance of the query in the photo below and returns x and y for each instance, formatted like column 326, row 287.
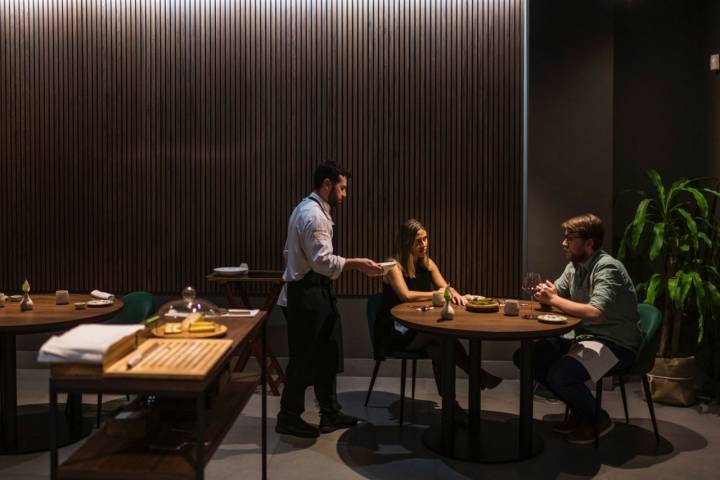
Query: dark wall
column 143, row 143
column 661, row 72
column 570, row 115
column 711, row 15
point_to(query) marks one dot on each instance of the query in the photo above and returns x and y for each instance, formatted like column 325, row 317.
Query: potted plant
column 675, row 233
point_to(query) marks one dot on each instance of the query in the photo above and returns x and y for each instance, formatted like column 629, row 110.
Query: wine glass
column 530, row 282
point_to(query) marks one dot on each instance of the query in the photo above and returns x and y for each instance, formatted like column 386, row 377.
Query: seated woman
column 413, row 279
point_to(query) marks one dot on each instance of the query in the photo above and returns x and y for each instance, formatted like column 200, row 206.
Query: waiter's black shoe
column 295, row 426
column 330, row 423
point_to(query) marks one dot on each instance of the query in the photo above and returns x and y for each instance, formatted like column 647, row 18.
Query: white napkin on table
column 102, row 295
column 84, row 343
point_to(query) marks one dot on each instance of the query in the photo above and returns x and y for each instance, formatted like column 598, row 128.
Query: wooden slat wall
column 144, row 142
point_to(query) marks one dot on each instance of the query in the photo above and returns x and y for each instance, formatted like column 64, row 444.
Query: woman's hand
column 457, row 298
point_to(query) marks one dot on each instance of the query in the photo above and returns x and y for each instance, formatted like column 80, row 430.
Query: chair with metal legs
column 649, row 324
column 373, row 307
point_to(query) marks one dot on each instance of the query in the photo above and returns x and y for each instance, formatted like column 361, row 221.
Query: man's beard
column 579, row 257
column 333, row 198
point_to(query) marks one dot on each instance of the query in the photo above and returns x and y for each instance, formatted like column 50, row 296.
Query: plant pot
column 672, row 381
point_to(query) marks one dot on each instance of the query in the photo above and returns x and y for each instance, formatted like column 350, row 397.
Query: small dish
column 99, row 303
column 15, row 298
column 387, row 266
column 230, row 271
column 80, row 305
column 552, row 318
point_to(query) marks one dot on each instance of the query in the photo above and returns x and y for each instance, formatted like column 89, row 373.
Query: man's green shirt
column 603, row 282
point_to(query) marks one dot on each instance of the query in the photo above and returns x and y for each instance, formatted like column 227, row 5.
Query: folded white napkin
column 84, row 343
column 239, row 312
column 102, row 295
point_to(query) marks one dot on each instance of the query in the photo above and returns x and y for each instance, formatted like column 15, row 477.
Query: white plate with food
column 552, row 318
column 99, row 303
column 230, row 271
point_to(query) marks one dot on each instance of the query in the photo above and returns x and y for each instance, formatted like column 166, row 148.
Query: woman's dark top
column 387, row 338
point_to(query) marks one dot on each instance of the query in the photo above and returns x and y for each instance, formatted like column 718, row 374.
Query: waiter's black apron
column 314, row 328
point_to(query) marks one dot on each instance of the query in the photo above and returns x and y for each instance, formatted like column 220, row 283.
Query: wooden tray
column 220, row 331
column 489, row 308
column 188, row 358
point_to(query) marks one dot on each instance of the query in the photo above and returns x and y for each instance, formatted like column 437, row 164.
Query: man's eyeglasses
column 572, row 236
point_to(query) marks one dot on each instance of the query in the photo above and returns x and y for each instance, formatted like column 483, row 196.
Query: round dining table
column 492, row 440
column 24, row 429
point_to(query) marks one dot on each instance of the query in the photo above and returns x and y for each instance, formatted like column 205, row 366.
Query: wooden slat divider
column 143, row 143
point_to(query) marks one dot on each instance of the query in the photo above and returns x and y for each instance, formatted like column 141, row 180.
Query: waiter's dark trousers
column 315, row 344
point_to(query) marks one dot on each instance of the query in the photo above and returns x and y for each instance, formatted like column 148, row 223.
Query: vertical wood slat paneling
column 143, row 143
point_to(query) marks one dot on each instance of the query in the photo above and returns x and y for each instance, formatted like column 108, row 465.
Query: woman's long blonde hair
column 403, row 246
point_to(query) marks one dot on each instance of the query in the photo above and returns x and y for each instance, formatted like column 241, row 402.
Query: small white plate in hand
column 386, row 266
column 229, row 271
column 552, row 318
column 99, row 303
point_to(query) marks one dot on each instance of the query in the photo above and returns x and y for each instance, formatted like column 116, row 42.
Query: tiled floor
column 379, row 449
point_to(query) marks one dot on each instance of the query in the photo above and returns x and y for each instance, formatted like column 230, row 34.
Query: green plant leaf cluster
column 674, row 227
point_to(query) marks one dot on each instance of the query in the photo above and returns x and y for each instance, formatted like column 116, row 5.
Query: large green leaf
column 639, row 222
column 700, row 303
column 712, row 192
column 676, row 188
column 658, row 240
column 705, row 239
column 714, row 295
column 714, row 271
column 691, row 225
column 657, row 182
column 685, row 281
column 699, row 199
column 654, row 288
column 622, row 251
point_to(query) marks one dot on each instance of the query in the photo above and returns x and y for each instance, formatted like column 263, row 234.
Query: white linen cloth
column 596, row 357
column 309, row 243
column 102, row 295
column 84, row 343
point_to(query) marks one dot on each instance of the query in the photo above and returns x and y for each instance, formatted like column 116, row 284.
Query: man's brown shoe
column 585, row 433
column 567, row 426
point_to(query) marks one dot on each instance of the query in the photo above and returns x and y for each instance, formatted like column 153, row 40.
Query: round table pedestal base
column 498, row 443
column 33, row 430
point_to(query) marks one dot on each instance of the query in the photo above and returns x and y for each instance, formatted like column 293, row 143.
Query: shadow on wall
column 377, row 451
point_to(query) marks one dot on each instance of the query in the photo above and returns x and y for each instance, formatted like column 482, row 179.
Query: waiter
column 310, row 306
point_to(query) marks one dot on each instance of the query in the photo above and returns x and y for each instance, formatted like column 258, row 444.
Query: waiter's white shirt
column 309, row 243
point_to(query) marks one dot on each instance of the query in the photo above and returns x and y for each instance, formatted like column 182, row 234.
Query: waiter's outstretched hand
column 365, row 265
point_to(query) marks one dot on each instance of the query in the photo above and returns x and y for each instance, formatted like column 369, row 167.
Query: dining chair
column 373, row 307
column 649, row 324
column 137, row 306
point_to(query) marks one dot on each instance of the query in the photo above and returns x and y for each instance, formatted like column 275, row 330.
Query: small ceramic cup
column 438, row 300
column 512, row 307
column 62, row 297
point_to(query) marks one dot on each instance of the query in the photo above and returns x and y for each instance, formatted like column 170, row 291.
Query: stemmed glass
column 530, row 282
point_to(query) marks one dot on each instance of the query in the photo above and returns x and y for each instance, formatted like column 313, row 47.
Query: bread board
column 190, row 359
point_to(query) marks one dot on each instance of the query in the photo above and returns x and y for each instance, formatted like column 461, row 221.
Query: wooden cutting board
column 189, row 359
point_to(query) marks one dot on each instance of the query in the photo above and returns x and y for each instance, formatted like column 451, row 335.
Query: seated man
column 595, row 287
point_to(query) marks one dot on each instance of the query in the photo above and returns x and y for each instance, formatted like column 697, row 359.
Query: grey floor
column 379, row 449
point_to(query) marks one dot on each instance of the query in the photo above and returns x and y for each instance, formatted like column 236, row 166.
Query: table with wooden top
column 493, row 441
column 24, row 428
column 237, row 295
column 199, row 429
